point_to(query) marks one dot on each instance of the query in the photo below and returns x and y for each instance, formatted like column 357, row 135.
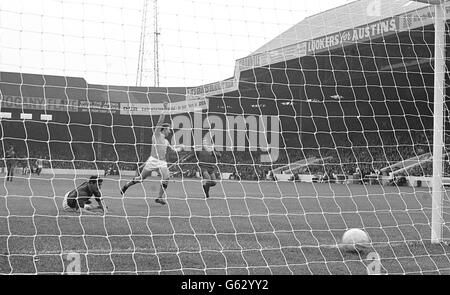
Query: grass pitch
column 244, row 228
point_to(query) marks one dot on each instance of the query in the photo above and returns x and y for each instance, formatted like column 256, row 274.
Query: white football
column 355, row 238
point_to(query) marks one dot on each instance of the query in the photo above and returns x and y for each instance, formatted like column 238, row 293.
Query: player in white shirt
column 156, row 161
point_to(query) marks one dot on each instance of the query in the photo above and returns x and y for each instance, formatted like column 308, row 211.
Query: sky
column 100, row 40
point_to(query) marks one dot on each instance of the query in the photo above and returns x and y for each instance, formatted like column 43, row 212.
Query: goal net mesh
column 320, row 117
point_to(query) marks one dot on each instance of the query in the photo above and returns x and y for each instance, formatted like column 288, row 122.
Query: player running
column 156, row 161
column 79, row 199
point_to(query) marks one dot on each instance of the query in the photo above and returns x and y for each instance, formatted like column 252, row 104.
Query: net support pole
column 437, row 220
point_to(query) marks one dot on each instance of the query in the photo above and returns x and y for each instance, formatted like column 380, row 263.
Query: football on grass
column 355, row 239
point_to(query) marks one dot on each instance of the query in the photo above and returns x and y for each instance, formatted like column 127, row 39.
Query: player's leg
column 209, row 180
column 164, row 171
column 8, row 171
column 142, row 174
column 213, row 180
column 12, row 173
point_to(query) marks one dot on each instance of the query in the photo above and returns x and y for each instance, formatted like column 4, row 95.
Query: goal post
column 438, row 136
column 437, row 220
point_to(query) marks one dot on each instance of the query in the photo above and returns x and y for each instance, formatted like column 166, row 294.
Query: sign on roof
column 362, row 33
column 38, row 103
column 358, row 34
column 179, row 107
column 211, row 89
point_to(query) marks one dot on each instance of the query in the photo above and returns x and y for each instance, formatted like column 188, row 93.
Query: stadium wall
column 412, row 181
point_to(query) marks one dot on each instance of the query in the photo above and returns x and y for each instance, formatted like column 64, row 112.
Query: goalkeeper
column 79, row 199
column 157, row 160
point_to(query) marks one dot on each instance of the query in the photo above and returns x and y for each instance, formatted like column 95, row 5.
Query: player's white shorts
column 153, row 164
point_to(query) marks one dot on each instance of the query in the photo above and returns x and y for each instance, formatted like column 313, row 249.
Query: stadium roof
column 359, row 22
column 341, row 18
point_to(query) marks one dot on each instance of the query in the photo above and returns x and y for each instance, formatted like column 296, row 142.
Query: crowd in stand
column 365, row 152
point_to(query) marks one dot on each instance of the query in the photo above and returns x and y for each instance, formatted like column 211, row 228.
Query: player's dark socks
column 160, row 201
column 206, row 190
column 124, row 189
column 126, row 186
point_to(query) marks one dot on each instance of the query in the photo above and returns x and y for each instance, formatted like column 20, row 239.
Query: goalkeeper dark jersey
column 206, row 160
column 82, row 194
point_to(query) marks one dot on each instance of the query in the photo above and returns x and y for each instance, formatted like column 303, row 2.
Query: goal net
column 290, row 123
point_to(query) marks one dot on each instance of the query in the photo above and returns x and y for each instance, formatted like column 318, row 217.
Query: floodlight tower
column 140, row 67
column 156, row 33
column 155, row 44
column 440, row 19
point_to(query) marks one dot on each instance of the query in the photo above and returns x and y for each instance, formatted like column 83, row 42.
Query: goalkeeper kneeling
column 78, row 200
